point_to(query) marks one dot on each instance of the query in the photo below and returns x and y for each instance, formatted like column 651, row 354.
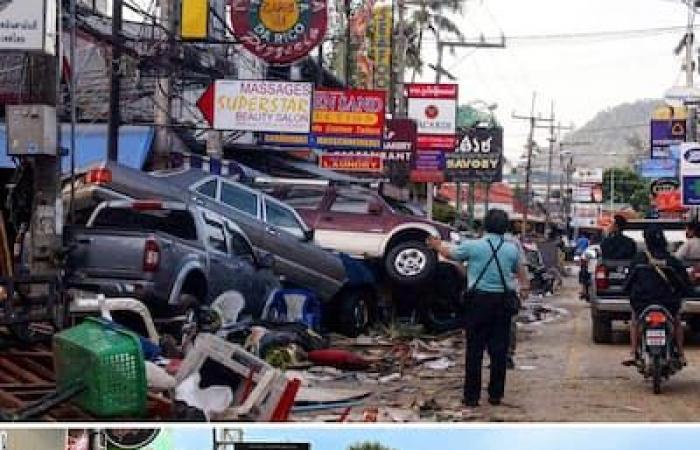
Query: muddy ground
column 560, row 376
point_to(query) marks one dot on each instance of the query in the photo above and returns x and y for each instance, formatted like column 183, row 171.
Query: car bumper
column 143, row 290
column 621, row 306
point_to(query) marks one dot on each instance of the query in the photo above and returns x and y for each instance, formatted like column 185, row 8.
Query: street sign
column 690, row 173
column 664, row 134
column 28, row 26
column 258, row 105
column 658, row 168
column 350, row 163
column 279, row 31
column 478, row 157
column 682, row 95
column 586, row 175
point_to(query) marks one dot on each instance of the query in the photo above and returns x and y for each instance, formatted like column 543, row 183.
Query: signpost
column 690, row 174
column 478, row 157
column 434, row 108
column 279, row 31
column 257, row 105
column 28, row 26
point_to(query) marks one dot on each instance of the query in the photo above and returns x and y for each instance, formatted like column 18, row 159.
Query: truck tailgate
column 106, row 252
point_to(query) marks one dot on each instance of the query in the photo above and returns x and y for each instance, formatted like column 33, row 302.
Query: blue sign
column 659, row 168
column 664, row 134
column 691, row 191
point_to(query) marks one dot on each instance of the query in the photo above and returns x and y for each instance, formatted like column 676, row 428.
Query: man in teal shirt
column 488, row 319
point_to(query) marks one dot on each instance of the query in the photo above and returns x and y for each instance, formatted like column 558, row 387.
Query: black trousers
column 488, row 327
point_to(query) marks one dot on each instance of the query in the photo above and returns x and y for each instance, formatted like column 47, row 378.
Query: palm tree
column 430, row 16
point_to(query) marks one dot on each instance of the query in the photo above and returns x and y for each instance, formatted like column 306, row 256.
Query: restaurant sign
column 279, row 31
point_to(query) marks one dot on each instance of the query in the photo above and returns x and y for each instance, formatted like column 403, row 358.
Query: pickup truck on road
column 169, row 255
column 610, row 301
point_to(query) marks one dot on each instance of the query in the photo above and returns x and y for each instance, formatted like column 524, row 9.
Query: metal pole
column 73, row 104
column 530, row 145
column 689, row 66
column 431, row 186
column 399, row 96
column 348, row 45
column 612, row 191
column 115, row 79
column 549, row 173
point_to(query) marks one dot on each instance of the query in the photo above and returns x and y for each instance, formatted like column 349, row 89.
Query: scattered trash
column 158, row 379
column 390, row 378
column 341, row 359
column 443, row 363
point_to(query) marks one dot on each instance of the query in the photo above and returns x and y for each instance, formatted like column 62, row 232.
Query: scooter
column 657, row 353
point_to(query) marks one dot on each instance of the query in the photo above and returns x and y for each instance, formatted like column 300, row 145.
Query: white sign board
column 585, row 215
column 258, row 105
column 587, row 176
column 28, row 25
column 433, row 115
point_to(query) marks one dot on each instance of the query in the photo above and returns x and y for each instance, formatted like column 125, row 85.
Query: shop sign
column 279, row 31
column 28, row 25
column 478, row 157
column 351, row 163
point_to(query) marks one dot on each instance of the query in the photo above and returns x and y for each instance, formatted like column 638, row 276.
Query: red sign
column 352, row 112
column 351, row 163
column 279, row 31
column 428, row 90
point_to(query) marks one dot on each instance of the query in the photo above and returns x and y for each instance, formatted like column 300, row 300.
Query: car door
column 348, row 225
column 222, row 268
column 301, row 261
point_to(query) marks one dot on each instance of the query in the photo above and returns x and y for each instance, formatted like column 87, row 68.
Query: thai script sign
column 478, row 157
column 28, row 25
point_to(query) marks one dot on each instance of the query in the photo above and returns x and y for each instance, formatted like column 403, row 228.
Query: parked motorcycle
column 657, row 351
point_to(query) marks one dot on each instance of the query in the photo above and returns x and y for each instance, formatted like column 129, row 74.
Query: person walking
column 493, row 266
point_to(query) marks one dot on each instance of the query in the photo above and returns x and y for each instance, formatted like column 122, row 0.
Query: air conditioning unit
column 31, row 130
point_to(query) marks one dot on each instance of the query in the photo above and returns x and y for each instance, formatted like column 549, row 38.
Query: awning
column 91, row 145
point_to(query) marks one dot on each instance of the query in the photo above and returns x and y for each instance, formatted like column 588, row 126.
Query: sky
column 456, row 438
column 581, row 76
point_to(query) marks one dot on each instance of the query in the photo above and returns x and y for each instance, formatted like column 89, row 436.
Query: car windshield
column 178, row 223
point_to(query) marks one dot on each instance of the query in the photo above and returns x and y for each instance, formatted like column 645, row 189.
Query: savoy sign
column 478, row 157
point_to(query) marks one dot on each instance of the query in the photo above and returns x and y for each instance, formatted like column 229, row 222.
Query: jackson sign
column 279, row 31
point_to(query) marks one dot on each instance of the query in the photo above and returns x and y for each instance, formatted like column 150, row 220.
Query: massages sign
column 279, row 31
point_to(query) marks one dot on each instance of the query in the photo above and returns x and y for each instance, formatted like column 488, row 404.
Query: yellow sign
column 194, row 19
column 670, row 113
column 279, row 15
column 382, row 31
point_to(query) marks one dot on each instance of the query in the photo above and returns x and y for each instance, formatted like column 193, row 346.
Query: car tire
column 354, row 312
column 601, row 329
column 177, row 317
column 410, row 263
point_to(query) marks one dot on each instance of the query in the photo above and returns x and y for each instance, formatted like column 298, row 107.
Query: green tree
column 430, row 16
column 629, row 188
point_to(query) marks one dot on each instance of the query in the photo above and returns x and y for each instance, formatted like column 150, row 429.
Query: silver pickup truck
column 609, row 300
column 168, row 254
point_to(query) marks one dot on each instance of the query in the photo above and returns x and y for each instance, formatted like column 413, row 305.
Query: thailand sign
column 434, row 108
column 382, row 31
column 348, row 118
column 257, row 105
column 664, row 134
column 279, row 31
column 28, row 25
column 478, row 157
column 351, row 163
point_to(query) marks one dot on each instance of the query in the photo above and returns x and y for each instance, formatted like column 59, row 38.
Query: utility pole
column 554, row 130
column 115, row 83
column 530, row 145
column 690, row 68
column 163, row 94
column 439, row 70
column 399, row 96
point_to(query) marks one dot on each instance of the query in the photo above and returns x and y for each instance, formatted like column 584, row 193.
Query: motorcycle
column 657, row 351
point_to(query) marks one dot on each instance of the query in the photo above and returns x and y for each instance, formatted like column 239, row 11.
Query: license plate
column 656, row 337
column 617, row 276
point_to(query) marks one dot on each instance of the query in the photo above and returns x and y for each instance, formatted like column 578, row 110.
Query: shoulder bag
column 469, row 293
column 510, row 297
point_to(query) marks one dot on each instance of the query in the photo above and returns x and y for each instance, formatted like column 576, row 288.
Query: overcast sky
column 581, row 75
column 451, row 438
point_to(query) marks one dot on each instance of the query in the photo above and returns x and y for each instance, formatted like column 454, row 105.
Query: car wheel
column 353, row 312
column 601, row 328
column 410, row 262
column 181, row 317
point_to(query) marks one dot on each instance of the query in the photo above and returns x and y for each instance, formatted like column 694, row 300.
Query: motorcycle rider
column 664, row 283
column 690, row 250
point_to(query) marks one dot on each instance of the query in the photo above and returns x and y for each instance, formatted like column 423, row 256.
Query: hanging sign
column 279, row 31
column 478, row 157
column 258, row 105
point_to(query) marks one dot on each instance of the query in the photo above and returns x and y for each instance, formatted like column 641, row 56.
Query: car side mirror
column 374, row 208
column 309, row 235
column 266, row 261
